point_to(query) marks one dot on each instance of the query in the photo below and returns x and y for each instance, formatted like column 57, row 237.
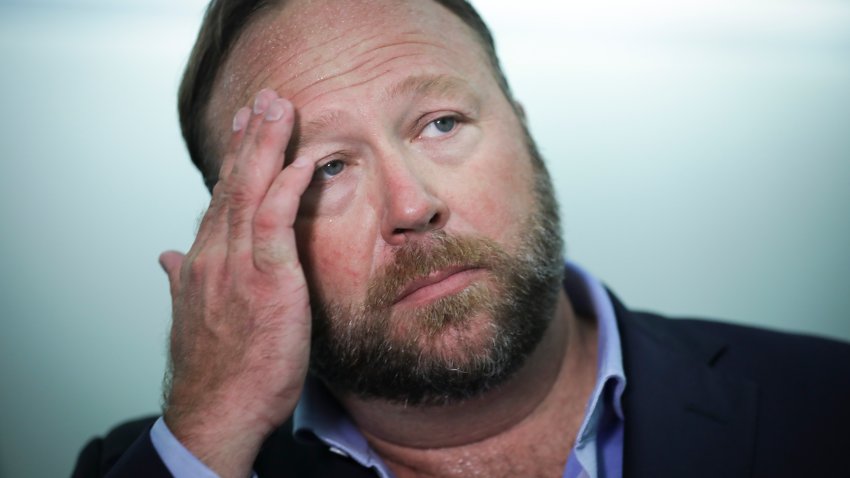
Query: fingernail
column 240, row 119
column 261, row 102
column 275, row 111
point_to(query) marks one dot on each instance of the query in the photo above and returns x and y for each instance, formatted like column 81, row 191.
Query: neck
column 555, row 382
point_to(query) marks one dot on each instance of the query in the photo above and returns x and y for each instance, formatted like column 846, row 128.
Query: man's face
column 428, row 237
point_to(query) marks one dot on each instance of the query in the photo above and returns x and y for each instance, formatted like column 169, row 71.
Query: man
column 380, row 270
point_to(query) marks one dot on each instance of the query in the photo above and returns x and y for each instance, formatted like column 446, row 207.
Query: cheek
column 333, row 200
column 497, row 204
column 336, row 255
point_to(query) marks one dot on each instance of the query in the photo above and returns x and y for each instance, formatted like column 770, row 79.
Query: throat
column 536, row 447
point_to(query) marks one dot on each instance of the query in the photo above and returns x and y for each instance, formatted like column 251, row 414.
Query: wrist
column 222, row 440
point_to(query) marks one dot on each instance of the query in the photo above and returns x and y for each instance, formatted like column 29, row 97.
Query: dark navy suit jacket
column 704, row 399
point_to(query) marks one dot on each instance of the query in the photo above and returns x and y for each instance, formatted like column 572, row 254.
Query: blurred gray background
column 701, row 151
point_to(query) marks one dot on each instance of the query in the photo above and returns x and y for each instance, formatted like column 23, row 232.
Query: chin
column 455, row 343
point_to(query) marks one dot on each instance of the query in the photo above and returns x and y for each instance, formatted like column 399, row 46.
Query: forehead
column 308, row 48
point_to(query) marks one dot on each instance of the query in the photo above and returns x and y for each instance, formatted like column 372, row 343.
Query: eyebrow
column 414, row 86
column 320, row 123
column 429, row 85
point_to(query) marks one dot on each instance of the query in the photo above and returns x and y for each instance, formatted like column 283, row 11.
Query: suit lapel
column 682, row 417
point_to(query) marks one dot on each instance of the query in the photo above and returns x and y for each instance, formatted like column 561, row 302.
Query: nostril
column 433, row 222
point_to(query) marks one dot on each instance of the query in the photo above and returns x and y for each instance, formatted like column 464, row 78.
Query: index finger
column 215, row 215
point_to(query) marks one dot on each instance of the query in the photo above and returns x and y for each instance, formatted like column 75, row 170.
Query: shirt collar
column 318, row 418
column 589, row 298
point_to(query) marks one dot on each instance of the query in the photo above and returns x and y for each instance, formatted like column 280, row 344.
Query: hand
column 240, row 338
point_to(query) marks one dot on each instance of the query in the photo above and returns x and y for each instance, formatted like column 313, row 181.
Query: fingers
column 254, row 157
column 254, row 195
column 214, row 220
column 258, row 162
column 274, row 238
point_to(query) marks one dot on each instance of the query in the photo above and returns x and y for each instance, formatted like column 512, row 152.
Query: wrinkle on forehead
column 362, row 73
column 309, row 43
column 367, row 59
column 314, row 52
column 420, row 85
column 300, row 34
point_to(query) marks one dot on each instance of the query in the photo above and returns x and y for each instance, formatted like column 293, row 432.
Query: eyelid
column 427, row 120
column 322, row 162
column 327, row 158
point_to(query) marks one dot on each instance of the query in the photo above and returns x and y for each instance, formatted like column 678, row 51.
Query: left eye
column 328, row 170
column 440, row 126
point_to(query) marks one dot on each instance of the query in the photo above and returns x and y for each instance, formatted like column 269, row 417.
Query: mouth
column 439, row 284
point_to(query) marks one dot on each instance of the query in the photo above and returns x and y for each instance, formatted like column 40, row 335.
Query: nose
column 411, row 207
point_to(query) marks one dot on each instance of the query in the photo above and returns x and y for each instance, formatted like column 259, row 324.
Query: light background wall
column 701, row 152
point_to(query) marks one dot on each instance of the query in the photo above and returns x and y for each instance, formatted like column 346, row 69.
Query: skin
column 375, row 161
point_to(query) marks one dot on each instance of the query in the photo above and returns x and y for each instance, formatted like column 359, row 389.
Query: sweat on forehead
column 303, row 42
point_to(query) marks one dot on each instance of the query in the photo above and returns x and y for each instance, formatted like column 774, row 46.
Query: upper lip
column 431, row 278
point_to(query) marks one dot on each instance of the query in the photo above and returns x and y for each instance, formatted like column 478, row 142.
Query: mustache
column 417, row 259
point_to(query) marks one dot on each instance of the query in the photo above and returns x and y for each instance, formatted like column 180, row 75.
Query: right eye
column 328, row 170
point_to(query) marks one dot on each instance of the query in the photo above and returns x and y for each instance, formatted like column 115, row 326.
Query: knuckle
column 196, row 268
column 238, row 183
column 238, row 194
column 265, row 222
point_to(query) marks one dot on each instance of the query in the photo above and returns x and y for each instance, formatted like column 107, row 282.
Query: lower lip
column 449, row 286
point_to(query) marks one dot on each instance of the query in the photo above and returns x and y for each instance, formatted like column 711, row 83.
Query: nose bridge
column 411, row 204
column 404, row 179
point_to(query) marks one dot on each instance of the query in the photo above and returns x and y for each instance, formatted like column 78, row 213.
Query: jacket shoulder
column 765, row 356
column 779, row 398
column 103, row 455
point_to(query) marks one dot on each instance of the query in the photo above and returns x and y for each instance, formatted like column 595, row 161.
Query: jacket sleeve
column 126, row 452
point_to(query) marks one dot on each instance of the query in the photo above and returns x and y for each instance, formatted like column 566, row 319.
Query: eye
column 439, row 127
column 328, row 170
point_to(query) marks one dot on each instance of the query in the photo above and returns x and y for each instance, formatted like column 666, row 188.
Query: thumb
column 171, row 262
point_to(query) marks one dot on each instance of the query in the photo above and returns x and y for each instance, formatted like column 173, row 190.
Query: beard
column 458, row 346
